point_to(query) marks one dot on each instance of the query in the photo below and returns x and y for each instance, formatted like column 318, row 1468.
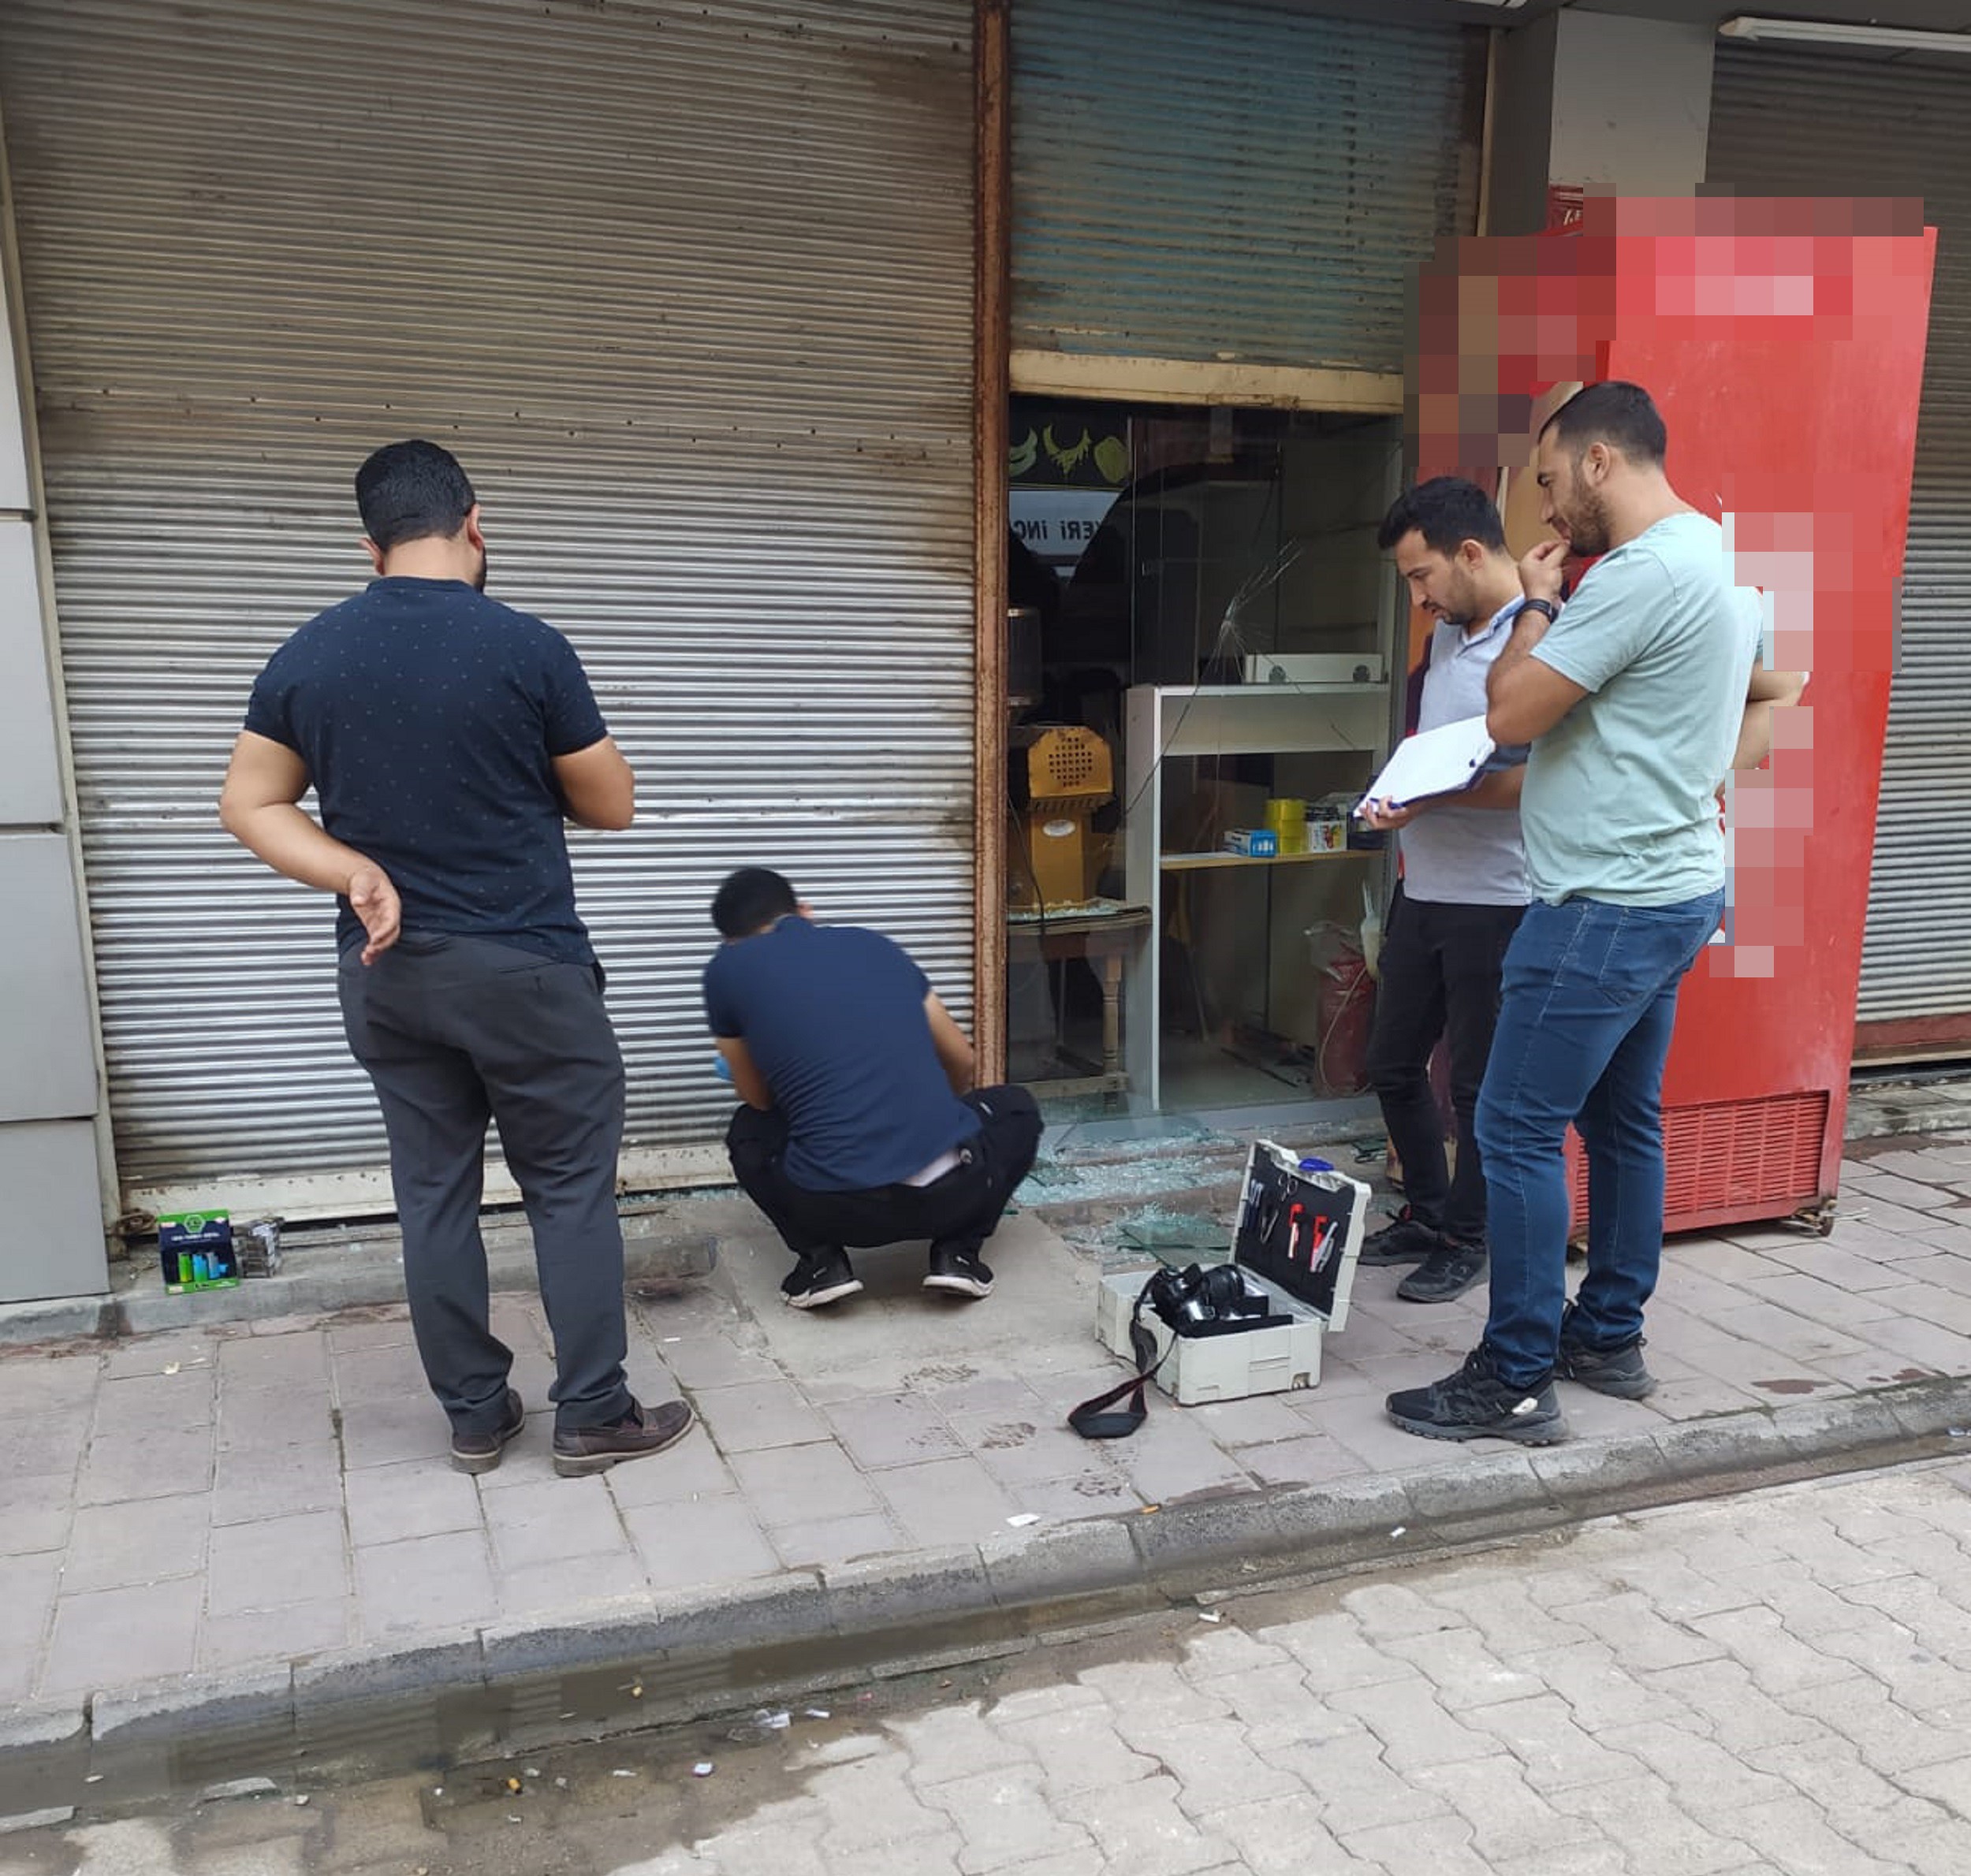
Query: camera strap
column 1091, row 1419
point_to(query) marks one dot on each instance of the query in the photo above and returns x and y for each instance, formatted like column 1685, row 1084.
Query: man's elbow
column 234, row 814
column 1506, row 727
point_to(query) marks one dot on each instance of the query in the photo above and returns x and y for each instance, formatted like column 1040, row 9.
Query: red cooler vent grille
column 1757, row 1159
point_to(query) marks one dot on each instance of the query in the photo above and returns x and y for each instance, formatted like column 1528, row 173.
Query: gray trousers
column 457, row 1031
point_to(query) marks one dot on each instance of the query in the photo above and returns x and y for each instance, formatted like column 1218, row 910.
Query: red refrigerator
column 1783, row 341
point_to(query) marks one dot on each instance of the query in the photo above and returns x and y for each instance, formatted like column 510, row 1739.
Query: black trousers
column 455, row 1031
column 1439, row 977
column 958, row 1212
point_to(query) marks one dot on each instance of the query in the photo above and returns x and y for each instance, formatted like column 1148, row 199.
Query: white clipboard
column 1438, row 762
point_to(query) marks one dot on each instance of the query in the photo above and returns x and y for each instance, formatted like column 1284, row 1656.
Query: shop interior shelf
column 1191, row 862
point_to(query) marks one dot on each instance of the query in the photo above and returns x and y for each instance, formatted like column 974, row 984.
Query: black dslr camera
column 1198, row 1301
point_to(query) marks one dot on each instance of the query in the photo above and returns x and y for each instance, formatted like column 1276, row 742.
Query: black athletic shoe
column 480, row 1452
column 960, row 1272
column 1406, row 1239
column 1475, row 1404
column 828, row 1279
column 1446, row 1274
column 1618, row 1372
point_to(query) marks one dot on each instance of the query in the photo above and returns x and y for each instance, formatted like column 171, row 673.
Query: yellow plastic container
column 1287, row 818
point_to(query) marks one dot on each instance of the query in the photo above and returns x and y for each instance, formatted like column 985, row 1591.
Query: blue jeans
column 1590, row 994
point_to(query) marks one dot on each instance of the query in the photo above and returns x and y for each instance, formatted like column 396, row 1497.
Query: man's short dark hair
column 752, row 899
column 1624, row 416
column 412, row 491
column 1447, row 510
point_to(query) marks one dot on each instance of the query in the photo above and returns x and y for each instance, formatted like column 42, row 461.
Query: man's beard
column 478, row 579
column 1588, row 527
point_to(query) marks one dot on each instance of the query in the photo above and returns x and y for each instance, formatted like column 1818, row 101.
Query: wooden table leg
column 1111, row 1012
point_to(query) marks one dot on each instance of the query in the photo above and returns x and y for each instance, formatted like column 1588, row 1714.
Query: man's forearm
column 1498, row 790
column 1528, row 630
column 291, row 842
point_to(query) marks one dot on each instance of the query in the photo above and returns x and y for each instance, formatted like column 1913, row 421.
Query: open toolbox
column 1299, row 1230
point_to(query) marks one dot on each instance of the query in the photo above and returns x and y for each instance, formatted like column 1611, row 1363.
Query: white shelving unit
column 1174, row 721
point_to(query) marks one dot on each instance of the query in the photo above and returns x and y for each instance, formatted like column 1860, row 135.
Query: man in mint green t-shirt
column 1637, row 696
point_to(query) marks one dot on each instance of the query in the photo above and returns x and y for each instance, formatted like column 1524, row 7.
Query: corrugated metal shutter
column 1228, row 179
column 689, row 289
column 1792, row 124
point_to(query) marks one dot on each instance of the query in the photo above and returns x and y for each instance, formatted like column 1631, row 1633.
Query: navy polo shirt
column 833, row 1017
column 429, row 717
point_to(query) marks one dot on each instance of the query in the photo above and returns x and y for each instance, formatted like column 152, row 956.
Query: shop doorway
column 1206, row 658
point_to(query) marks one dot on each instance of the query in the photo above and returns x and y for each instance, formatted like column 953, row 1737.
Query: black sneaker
column 809, row 1286
column 1618, row 1372
column 1475, row 1404
column 480, row 1452
column 960, row 1272
column 580, row 1450
column 1446, row 1274
column 1406, row 1239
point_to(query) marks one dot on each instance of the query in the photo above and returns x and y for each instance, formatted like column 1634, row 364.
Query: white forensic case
column 1193, row 1369
column 1215, row 1368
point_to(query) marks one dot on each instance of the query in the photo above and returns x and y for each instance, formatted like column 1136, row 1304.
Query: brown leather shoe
column 583, row 1449
column 480, row 1452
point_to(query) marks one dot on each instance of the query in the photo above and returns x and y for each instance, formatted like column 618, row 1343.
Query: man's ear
column 375, row 552
column 474, row 539
column 805, row 909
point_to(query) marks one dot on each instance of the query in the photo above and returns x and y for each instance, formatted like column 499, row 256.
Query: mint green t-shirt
column 1620, row 799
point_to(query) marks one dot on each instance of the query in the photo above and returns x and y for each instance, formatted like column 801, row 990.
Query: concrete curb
column 632, row 1661
column 320, row 1279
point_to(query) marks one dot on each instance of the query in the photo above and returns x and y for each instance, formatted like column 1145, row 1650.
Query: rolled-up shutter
column 690, row 290
column 1812, row 124
column 1233, row 181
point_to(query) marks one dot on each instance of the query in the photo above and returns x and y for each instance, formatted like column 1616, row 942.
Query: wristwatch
column 1545, row 608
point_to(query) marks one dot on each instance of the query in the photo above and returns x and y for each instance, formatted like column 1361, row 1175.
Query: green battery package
column 196, row 1250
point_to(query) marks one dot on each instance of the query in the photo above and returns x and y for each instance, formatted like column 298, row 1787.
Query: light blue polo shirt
column 1455, row 856
column 1620, row 802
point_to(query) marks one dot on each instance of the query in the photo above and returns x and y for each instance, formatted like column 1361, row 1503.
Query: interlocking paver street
column 1392, row 1721
column 212, row 1500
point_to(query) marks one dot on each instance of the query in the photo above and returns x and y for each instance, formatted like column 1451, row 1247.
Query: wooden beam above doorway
column 1038, row 373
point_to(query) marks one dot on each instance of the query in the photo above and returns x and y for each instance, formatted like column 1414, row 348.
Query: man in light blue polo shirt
column 1634, row 698
column 1463, row 889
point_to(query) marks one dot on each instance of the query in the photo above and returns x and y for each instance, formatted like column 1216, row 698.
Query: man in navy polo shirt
column 446, row 736
column 858, row 1128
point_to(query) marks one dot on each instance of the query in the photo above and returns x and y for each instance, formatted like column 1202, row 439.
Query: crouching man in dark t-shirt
column 858, row 1128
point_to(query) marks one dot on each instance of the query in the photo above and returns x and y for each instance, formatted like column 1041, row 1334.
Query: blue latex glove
column 722, row 1068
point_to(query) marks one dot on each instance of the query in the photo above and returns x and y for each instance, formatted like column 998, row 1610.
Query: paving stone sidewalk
column 221, row 1501
column 1775, row 1684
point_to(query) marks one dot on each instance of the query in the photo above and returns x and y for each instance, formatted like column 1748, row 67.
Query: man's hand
column 1539, row 572
column 1386, row 817
column 260, row 808
column 374, row 900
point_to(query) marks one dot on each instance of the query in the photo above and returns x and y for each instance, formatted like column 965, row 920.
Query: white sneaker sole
column 960, row 1286
column 816, row 1299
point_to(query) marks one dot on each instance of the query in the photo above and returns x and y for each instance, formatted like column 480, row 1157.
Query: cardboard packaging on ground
column 195, row 1251
column 1297, row 1237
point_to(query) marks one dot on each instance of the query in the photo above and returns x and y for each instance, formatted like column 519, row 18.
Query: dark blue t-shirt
column 833, row 1017
column 430, row 717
